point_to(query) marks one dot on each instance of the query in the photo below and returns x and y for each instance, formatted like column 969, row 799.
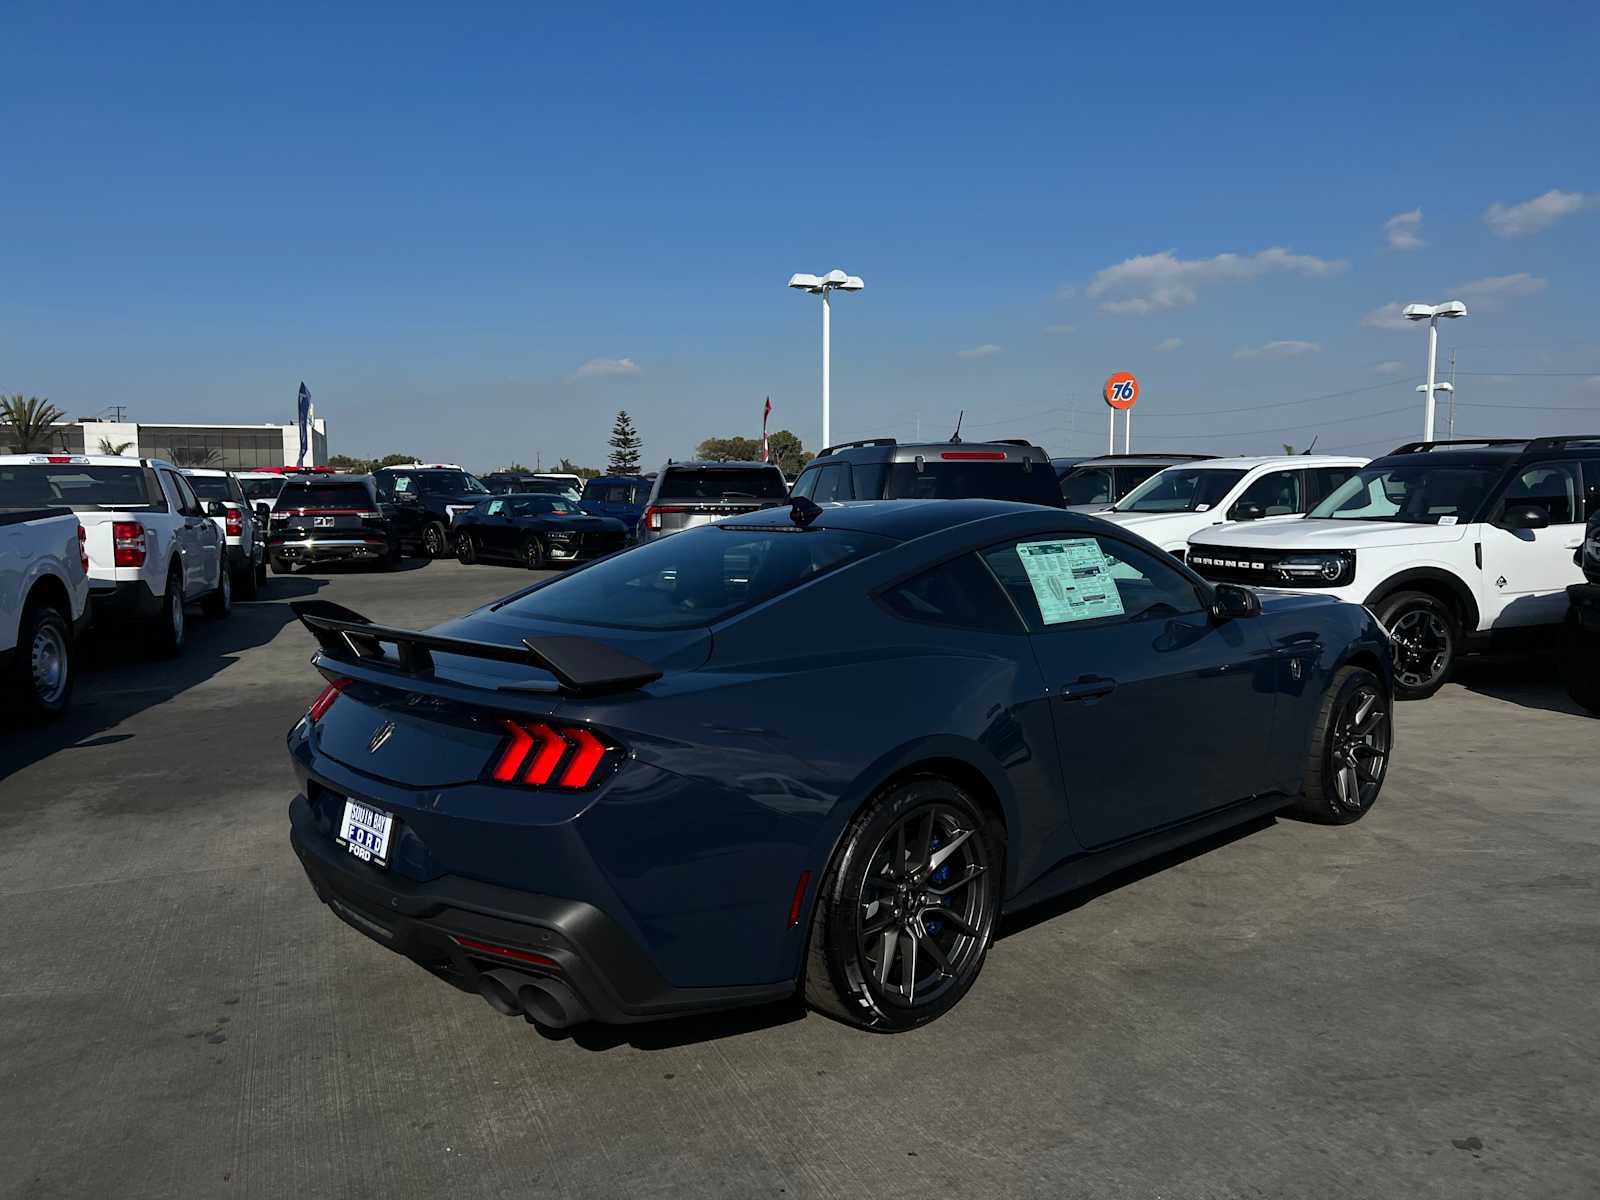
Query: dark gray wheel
column 1425, row 641
column 42, row 670
column 466, row 550
column 259, row 572
column 533, row 556
column 1349, row 754
column 170, row 628
column 904, row 917
column 434, row 542
column 281, row 565
column 219, row 603
column 248, row 582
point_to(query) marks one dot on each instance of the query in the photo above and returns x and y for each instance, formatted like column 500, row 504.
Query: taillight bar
column 83, row 548
column 233, row 524
column 534, row 751
column 652, row 515
column 128, row 546
column 473, row 946
column 325, row 698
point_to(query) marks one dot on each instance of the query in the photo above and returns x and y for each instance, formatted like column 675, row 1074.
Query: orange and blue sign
column 1121, row 390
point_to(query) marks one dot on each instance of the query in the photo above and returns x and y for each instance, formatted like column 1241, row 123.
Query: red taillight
column 127, row 544
column 652, row 515
column 324, row 701
column 584, row 754
column 975, row 455
column 232, row 523
column 83, row 548
column 527, row 956
column 58, row 458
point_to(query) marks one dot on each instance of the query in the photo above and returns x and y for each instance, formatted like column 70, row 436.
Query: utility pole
column 1452, row 395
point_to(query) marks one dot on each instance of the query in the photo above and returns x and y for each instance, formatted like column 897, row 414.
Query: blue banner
column 303, row 419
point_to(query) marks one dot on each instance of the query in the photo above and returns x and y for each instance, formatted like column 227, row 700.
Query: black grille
column 1263, row 568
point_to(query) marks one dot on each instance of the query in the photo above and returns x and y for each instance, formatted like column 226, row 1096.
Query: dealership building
column 237, row 447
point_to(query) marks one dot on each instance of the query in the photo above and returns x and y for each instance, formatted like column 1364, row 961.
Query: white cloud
column 1286, row 349
column 1487, row 293
column 598, row 367
column 1402, row 230
column 1514, row 220
column 1390, row 368
column 1060, row 330
column 1149, row 283
column 1167, row 345
column 987, row 350
column 1389, row 317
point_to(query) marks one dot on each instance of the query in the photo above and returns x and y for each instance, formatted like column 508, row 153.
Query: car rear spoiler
column 582, row 666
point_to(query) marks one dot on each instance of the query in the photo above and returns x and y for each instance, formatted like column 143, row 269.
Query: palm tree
column 194, row 456
column 107, row 446
column 27, row 423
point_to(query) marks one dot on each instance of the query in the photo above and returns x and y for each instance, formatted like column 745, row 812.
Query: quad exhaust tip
column 547, row 1002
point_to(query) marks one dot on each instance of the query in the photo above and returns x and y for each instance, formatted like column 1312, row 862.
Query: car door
column 1161, row 712
column 397, row 493
column 494, row 522
column 188, row 534
column 1275, row 494
column 1527, row 571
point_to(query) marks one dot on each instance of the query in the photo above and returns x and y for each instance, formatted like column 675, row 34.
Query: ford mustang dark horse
column 817, row 749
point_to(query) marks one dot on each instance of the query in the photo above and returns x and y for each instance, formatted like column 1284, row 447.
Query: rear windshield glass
column 973, row 481
column 81, row 488
column 210, row 487
column 448, row 483
column 1180, row 489
column 261, row 489
column 1088, row 485
column 717, row 483
column 324, row 495
column 615, row 491
column 695, row 577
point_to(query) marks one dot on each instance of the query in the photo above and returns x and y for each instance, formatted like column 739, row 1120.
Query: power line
column 1588, row 408
column 1244, row 433
column 1539, row 374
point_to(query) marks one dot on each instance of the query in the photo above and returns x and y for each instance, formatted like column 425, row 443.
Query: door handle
column 1087, row 687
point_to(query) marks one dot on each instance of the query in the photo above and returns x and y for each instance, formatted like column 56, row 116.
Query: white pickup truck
column 151, row 547
column 44, row 604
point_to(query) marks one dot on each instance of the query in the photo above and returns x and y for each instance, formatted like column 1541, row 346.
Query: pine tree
column 624, row 445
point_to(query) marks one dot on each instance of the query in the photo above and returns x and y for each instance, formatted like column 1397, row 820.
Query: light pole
column 835, row 280
column 1431, row 314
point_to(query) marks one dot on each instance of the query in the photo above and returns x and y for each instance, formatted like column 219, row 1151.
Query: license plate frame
column 366, row 832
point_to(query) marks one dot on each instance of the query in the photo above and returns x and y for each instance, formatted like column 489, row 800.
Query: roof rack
column 1152, row 454
column 1562, row 442
column 1424, row 447
column 887, row 441
column 1010, row 442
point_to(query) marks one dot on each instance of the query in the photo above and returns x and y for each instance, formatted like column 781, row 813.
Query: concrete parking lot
column 1407, row 1007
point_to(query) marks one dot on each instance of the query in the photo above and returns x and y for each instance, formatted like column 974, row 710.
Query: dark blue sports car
column 535, row 530
column 810, row 748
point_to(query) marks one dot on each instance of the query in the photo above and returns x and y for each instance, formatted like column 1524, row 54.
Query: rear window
column 615, row 491
column 80, row 488
column 717, row 483
column 694, row 578
column 211, row 487
column 256, row 490
column 973, row 481
column 1088, row 485
column 324, row 495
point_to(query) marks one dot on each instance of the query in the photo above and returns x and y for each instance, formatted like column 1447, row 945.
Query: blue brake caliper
column 933, row 924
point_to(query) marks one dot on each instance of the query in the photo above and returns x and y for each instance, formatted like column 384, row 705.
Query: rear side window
column 324, row 495
column 1549, row 486
column 81, row 488
column 960, row 592
column 833, row 483
column 718, row 483
column 1088, row 485
column 694, row 578
column 1277, row 493
column 1033, row 483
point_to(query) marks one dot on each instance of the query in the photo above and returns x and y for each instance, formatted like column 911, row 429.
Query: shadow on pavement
column 1526, row 680
column 116, row 679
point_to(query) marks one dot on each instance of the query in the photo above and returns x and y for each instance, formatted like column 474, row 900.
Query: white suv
column 1182, row 500
column 151, row 547
column 1452, row 545
column 242, row 529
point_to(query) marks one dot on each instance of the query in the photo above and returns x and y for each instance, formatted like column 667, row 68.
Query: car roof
column 323, row 480
column 893, row 450
column 904, row 520
column 1252, row 461
column 1141, row 460
column 206, row 472
column 714, row 466
column 1489, row 451
column 37, row 457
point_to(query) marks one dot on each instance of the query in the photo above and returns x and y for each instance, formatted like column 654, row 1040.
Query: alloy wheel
column 49, row 661
column 926, row 907
column 433, row 542
column 1421, row 647
column 1358, row 748
column 175, row 611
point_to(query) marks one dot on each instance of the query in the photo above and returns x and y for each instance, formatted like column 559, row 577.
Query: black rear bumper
column 612, row 977
column 331, row 550
column 124, row 598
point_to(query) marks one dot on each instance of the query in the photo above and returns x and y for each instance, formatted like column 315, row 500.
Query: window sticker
column 1447, row 520
column 1071, row 580
column 1201, row 507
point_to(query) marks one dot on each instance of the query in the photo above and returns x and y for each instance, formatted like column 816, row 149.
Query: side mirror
column 264, row 511
column 216, row 508
column 1229, row 602
column 1246, row 510
column 1525, row 516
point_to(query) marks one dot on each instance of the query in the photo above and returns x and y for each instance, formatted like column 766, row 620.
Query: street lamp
column 835, row 280
column 1431, row 314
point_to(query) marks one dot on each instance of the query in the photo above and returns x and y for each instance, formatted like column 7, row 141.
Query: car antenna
column 1307, row 450
column 955, row 438
column 803, row 510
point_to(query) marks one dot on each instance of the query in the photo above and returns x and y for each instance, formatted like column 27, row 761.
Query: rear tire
column 466, row 552
column 219, row 604
column 434, row 542
column 43, row 668
column 904, row 916
column 248, row 583
column 170, row 629
column 533, row 556
column 1426, row 642
column 1349, row 754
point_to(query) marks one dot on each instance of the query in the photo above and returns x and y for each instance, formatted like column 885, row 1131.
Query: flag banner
column 303, row 420
column 766, row 454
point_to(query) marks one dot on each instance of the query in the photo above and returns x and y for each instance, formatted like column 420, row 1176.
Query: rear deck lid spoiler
column 581, row 666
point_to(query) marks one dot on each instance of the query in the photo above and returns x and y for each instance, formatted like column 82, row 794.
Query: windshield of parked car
column 1030, row 483
column 80, row 488
column 539, row 506
column 210, row 487
column 324, row 495
column 1411, row 493
column 694, row 578
column 723, row 483
column 1180, row 489
column 261, row 489
column 449, row 483
column 1088, row 485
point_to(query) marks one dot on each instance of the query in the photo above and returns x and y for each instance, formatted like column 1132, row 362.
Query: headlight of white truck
column 1324, row 568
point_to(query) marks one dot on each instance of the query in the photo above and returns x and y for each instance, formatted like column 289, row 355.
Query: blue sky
column 438, row 217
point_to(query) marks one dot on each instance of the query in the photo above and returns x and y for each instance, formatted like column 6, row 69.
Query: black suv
column 330, row 518
column 423, row 500
column 1095, row 484
column 885, row 469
